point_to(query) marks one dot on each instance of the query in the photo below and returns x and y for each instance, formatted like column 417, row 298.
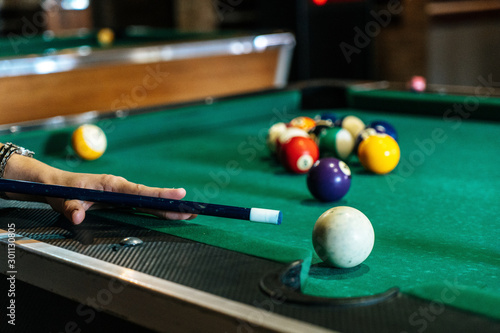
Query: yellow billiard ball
column 89, row 142
column 105, row 37
column 379, row 153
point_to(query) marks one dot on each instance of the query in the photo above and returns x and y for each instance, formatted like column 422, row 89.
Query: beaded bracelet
column 6, row 152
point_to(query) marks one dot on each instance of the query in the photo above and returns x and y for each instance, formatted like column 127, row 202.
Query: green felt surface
column 435, row 216
column 451, row 108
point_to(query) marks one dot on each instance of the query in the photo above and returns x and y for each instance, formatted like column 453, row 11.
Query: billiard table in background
column 434, row 267
column 45, row 76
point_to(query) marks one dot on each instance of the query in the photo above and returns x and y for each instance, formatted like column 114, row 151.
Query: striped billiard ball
column 89, row 142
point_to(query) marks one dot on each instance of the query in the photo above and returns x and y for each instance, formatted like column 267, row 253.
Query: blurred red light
column 324, row 2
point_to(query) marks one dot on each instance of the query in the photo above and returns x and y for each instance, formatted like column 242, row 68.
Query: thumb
column 73, row 210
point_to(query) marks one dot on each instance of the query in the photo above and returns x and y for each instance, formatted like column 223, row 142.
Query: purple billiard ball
column 329, row 179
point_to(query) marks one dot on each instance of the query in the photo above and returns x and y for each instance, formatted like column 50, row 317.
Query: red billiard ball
column 418, row 84
column 287, row 135
column 299, row 154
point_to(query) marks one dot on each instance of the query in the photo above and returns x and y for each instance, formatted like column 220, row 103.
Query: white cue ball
column 343, row 237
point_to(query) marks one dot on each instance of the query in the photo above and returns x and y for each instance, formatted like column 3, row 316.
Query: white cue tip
column 265, row 215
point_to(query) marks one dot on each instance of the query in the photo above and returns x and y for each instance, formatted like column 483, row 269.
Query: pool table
column 435, row 265
column 65, row 75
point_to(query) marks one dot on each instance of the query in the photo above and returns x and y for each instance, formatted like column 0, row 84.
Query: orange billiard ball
column 305, row 123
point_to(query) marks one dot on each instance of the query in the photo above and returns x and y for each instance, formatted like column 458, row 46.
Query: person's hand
column 74, row 210
column 30, row 169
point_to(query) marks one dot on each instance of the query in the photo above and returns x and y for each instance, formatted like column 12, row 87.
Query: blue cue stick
column 140, row 201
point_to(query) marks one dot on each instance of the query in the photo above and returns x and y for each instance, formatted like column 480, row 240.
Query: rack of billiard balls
column 303, row 141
